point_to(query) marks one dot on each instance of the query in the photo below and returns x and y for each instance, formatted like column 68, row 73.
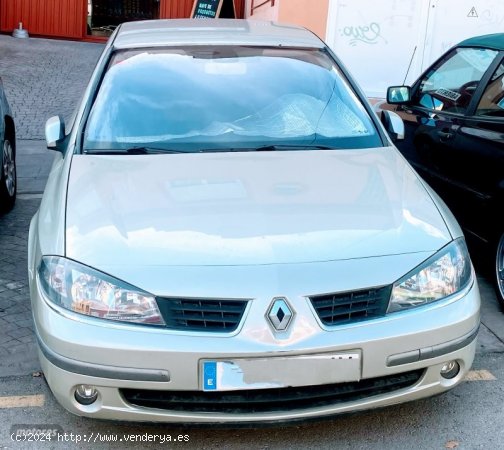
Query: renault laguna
column 228, row 235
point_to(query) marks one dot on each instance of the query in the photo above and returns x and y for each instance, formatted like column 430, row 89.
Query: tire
column 499, row 270
column 8, row 177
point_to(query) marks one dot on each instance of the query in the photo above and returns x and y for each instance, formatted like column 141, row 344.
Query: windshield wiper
column 291, row 147
column 144, row 150
column 272, row 147
column 133, row 151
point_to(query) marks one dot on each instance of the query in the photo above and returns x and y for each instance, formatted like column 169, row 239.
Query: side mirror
column 54, row 132
column 398, row 95
column 393, row 124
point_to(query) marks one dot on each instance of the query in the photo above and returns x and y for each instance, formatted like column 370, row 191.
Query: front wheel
column 8, row 178
column 499, row 270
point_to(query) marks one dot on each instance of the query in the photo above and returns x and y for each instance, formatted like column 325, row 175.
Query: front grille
column 201, row 314
column 270, row 400
column 350, row 307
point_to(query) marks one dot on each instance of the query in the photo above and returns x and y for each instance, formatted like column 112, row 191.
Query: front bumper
column 112, row 357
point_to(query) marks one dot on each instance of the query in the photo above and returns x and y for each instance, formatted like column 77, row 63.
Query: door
column 105, row 15
column 451, row 145
column 481, row 154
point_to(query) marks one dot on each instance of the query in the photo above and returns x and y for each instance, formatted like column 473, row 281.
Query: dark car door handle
column 445, row 135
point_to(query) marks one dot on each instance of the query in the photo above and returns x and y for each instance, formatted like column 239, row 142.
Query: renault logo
column 280, row 314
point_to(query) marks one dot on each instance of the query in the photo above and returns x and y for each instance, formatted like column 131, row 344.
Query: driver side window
column 492, row 101
column 450, row 85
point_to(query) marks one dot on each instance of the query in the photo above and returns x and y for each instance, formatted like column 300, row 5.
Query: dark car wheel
column 8, row 180
column 499, row 270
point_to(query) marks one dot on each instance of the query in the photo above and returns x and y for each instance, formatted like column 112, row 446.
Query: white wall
column 452, row 21
column 377, row 39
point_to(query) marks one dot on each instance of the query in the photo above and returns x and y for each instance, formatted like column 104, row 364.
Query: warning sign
column 473, row 12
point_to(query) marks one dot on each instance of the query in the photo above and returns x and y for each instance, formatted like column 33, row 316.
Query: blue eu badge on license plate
column 209, row 376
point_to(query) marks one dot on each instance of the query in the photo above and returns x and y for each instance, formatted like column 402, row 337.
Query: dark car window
column 210, row 98
column 492, row 101
column 451, row 83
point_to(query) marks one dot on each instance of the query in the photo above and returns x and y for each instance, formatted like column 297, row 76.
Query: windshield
column 226, row 98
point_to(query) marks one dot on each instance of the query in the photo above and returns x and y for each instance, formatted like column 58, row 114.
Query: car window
column 228, row 97
column 492, row 101
column 450, row 84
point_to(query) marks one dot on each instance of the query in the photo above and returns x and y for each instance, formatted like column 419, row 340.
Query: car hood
column 247, row 208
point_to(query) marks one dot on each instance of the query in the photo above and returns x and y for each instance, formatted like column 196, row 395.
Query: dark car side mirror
column 54, row 132
column 398, row 95
column 393, row 124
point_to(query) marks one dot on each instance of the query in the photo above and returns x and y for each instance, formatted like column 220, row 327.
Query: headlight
column 86, row 291
column 444, row 274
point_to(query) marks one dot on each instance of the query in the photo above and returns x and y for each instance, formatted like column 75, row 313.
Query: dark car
column 7, row 155
column 454, row 122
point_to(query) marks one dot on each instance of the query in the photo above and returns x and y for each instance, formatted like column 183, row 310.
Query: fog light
column 450, row 370
column 85, row 394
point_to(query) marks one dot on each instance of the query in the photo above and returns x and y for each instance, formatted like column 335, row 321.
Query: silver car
column 228, row 234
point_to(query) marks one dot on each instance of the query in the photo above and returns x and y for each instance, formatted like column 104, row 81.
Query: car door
column 479, row 153
column 436, row 121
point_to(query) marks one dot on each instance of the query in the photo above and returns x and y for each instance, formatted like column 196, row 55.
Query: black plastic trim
column 258, row 401
column 102, row 371
column 433, row 351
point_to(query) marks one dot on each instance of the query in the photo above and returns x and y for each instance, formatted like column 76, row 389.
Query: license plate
column 275, row 372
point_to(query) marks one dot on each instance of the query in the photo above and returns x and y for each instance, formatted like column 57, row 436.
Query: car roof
column 175, row 32
column 493, row 41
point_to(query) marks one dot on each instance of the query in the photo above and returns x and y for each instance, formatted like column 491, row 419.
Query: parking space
column 41, row 78
column 47, row 77
column 17, row 345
